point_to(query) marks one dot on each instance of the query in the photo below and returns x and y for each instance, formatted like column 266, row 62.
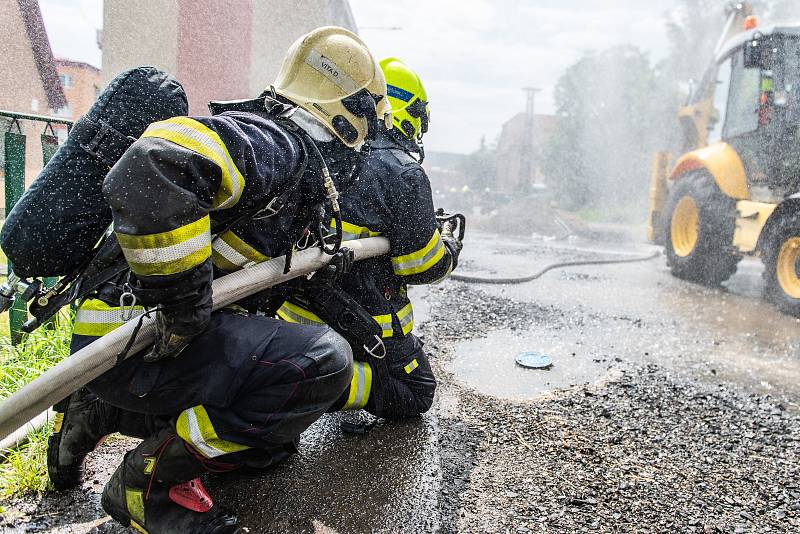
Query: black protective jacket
column 392, row 198
column 188, row 178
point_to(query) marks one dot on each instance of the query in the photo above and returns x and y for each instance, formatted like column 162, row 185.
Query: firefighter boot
column 82, row 421
column 155, row 490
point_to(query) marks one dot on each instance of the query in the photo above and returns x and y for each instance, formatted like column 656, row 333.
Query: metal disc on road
column 534, row 360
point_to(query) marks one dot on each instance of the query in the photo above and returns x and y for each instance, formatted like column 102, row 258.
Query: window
column 66, row 81
column 721, row 90
column 743, row 104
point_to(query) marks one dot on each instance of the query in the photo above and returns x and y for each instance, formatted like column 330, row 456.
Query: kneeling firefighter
column 190, row 197
column 391, row 198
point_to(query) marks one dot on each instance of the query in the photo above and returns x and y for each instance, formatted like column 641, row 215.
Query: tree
column 480, row 167
column 601, row 151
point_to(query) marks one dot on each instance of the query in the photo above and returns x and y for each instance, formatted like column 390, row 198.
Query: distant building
column 81, row 83
column 511, row 152
column 217, row 50
column 28, row 78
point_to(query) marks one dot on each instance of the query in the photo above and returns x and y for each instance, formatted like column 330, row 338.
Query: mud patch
column 488, row 364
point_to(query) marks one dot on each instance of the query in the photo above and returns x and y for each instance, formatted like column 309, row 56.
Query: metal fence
column 14, row 166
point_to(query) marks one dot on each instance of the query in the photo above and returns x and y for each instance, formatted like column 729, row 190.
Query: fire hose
column 98, row 357
column 560, row 265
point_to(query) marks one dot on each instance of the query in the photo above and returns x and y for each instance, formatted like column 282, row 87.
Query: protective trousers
column 400, row 385
column 246, row 382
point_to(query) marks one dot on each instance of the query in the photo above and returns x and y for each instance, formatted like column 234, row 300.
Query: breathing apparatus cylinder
column 53, row 229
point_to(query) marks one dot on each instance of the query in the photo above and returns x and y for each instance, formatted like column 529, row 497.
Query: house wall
column 21, row 90
column 278, row 23
column 218, row 50
column 139, row 33
column 213, row 51
column 86, row 83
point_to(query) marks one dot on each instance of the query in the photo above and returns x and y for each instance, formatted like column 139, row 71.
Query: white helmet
column 331, row 74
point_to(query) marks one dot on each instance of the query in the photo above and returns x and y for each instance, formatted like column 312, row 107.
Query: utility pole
column 526, row 166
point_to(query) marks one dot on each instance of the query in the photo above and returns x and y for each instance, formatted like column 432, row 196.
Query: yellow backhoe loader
column 735, row 190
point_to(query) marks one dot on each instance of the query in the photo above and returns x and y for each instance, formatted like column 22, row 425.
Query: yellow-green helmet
column 410, row 112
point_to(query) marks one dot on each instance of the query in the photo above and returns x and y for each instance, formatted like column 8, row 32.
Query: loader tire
column 781, row 257
column 699, row 224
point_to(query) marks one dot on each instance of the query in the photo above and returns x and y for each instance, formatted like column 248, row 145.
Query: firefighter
column 229, row 389
column 392, row 198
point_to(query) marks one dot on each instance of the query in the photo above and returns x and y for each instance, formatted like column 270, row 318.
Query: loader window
column 743, row 102
column 721, row 89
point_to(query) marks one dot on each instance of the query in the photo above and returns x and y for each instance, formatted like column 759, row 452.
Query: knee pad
column 333, row 356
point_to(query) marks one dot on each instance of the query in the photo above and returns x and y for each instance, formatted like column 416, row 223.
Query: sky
column 474, row 56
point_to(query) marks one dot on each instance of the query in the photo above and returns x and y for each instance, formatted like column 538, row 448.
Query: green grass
column 25, row 469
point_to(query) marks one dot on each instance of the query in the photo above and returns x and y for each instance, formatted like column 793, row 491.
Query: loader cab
column 755, row 99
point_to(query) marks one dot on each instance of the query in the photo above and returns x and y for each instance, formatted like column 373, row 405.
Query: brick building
column 81, row 83
column 218, row 50
column 28, row 78
column 512, row 151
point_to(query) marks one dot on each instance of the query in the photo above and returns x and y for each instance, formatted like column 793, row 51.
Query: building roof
column 64, row 62
column 42, row 53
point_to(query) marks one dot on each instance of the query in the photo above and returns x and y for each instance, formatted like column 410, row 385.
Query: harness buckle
column 269, row 210
column 379, row 345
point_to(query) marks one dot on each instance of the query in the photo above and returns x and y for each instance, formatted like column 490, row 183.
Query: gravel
column 646, row 451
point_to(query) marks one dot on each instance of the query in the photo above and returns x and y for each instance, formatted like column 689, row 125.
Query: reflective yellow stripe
column 96, row 318
column 194, row 427
column 421, row 260
column 199, row 138
column 292, row 313
column 58, row 421
column 360, row 386
column 168, row 252
column 385, row 322
column 353, row 231
column 231, row 253
column 411, row 366
column 406, row 318
column 134, row 501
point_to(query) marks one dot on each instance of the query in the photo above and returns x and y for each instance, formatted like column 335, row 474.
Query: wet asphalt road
column 728, row 333
column 452, row 470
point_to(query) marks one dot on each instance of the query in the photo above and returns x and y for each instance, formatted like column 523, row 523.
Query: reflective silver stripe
column 406, row 318
column 413, row 264
column 331, row 71
column 197, row 438
column 358, row 367
column 286, row 313
column 112, row 316
column 385, row 322
column 170, row 253
column 231, row 254
column 347, row 236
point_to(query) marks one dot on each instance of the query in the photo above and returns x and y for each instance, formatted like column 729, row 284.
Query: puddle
column 488, row 365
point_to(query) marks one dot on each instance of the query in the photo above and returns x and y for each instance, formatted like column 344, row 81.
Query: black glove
column 184, row 306
column 340, row 264
column 452, row 242
column 175, row 329
column 454, row 246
